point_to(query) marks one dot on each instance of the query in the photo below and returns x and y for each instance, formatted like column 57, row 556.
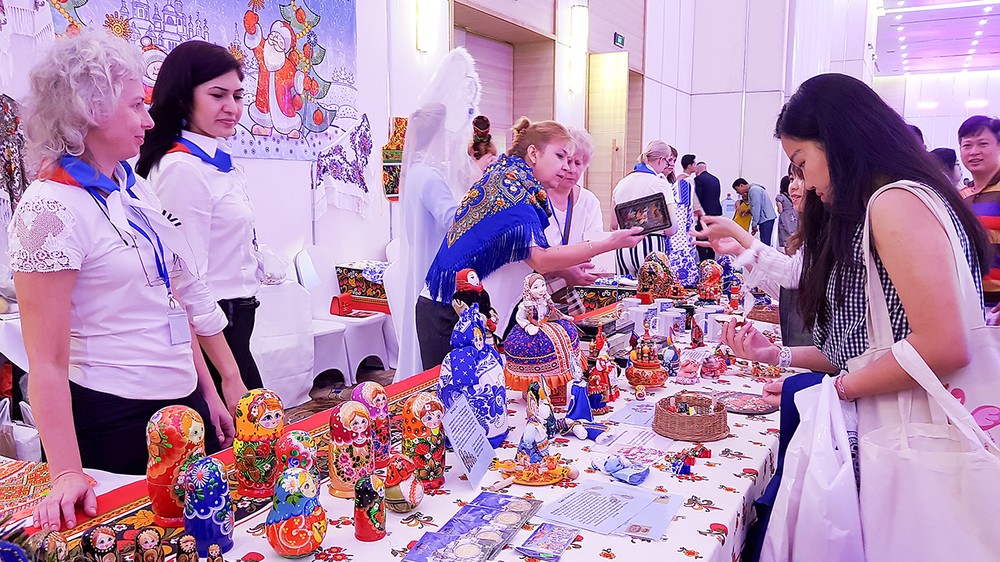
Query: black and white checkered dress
column 844, row 333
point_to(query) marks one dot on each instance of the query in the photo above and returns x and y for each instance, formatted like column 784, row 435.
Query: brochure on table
column 468, row 439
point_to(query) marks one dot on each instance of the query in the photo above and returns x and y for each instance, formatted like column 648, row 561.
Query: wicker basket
column 703, row 426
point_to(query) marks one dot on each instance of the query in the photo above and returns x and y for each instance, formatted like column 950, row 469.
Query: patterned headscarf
column 500, row 219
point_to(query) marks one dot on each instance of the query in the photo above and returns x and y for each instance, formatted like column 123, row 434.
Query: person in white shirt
column 197, row 102
column 107, row 300
column 648, row 177
column 576, row 211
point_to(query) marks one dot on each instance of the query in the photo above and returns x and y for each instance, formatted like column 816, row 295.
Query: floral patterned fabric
column 339, row 171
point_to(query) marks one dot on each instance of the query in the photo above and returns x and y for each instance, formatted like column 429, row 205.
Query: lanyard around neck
column 569, row 217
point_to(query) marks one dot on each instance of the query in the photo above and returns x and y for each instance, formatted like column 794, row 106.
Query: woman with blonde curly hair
column 107, row 302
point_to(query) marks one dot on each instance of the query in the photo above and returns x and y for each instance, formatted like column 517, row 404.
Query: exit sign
column 619, row 40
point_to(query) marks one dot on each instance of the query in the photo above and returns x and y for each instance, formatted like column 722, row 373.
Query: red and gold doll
column 260, row 421
column 423, row 438
column 173, row 435
column 350, row 455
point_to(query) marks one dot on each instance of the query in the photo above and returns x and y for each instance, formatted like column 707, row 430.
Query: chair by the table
column 364, row 337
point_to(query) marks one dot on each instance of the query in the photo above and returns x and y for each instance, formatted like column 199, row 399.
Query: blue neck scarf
column 501, row 217
column 644, row 168
column 221, row 161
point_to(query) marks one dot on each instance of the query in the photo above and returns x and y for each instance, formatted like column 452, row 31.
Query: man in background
column 979, row 143
column 762, row 213
column 709, row 192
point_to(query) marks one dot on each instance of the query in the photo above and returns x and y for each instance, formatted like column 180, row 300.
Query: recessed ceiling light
column 927, row 105
column 902, row 47
column 968, row 57
column 902, row 38
column 988, row 9
column 899, row 17
column 900, row 28
column 971, row 51
column 979, row 33
column 900, row 3
column 975, row 42
column 976, row 103
column 982, row 21
column 904, row 55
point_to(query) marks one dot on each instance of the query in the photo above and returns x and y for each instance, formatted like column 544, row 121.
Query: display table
column 711, row 525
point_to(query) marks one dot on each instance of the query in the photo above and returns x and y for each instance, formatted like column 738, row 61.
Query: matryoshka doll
column 297, row 449
column 369, row 509
column 423, row 438
column 403, row 492
column 100, row 544
column 710, row 282
column 214, row 554
column 296, row 525
column 350, row 455
column 208, row 506
column 187, row 548
column 147, row 545
column 373, row 396
column 48, row 546
column 260, row 421
column 173, row 435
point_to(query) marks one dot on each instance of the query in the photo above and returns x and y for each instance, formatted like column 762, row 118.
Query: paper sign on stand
column 601, row 507
column 468, row 439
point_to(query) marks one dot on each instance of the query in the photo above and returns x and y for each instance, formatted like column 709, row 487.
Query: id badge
column 180, row 328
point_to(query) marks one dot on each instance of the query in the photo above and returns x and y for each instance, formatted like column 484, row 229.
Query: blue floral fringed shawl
column 498, row 221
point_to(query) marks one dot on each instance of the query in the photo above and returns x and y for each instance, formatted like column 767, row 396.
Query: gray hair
column 582, row 142
column 75, row 87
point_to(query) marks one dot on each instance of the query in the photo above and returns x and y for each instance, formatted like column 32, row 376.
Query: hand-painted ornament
column 214, row 554
column 173, row 435
column 297, row 449
column 148, row 547
column 403, row 492
column 350, row 455
column 208, row 506
column 48, row 546
column 296, row 525
column 373, row 396
column 100, row 544
column 187, row 548
column 423, row 438
column 260, row 421
column 369, row 509
column 640, row 392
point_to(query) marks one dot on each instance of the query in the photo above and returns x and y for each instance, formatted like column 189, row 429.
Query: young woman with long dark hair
column 197, row 104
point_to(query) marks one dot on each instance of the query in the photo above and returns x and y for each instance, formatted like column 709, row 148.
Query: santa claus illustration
column 279, row 82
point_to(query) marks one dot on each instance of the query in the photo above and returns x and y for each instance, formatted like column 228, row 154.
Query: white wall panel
column 715, row 133
column 763, row 160
column 719, row 30
column 766, row 45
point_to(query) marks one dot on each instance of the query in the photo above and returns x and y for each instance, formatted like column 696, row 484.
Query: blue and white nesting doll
column 473, row 368
column 208, row 507
column 296, row 525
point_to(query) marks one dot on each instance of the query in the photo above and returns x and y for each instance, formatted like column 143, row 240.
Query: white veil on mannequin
column 436, row 148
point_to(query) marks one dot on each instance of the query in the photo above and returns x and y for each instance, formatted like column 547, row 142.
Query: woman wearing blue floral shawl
column 499, row 231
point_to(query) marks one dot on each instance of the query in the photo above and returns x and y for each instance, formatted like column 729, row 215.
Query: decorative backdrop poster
column 299, row 58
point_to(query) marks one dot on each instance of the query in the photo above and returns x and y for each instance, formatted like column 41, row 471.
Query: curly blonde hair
column 74, row 88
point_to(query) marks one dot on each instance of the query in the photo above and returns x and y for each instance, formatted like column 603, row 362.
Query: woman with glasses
column 108, row 304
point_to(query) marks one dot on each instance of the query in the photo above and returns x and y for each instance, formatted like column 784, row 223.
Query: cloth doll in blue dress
column 534, row 445
column 579, row 404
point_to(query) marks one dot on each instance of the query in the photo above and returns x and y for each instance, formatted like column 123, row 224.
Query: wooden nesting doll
column 173, row 435
column 296, row 524
column 187, row 548
column 208, row 506
column 373, row 396
column 369, row 509
column 403, row 492
column 423, row 438
column 100, row 544
column 147, row 545
column 214, row 554
column 48, row 546
column 260, row 421
column 297, row 449
column 350, row 455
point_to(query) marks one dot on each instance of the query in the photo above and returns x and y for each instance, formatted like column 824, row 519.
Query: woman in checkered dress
column 848, row 143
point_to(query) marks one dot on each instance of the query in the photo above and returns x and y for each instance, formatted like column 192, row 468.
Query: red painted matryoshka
column 350, row 455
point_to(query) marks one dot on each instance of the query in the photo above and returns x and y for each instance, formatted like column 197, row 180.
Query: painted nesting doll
column 373, row 396
column 148, row 547
column 214, row 553
column 423, row 438
column 369, row 509
column 187, row 548
column 403, row 492
column 260, row 421
column 173, row 435
column 100, row 544
column 296, row 524
column 208, row 506
column 48, row 546
column 297, row 449
column 350, row 455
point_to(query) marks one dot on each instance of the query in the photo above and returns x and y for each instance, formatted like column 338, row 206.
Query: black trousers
column 241, row 314
column 435, row 322
column 703, row 253
column 111, row 430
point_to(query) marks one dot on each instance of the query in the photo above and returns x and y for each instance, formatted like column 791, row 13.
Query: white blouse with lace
column 119, row 333
column 770, row 269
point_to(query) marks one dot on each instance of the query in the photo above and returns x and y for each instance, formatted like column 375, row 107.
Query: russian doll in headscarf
column 468, row 291
column 474, row 368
